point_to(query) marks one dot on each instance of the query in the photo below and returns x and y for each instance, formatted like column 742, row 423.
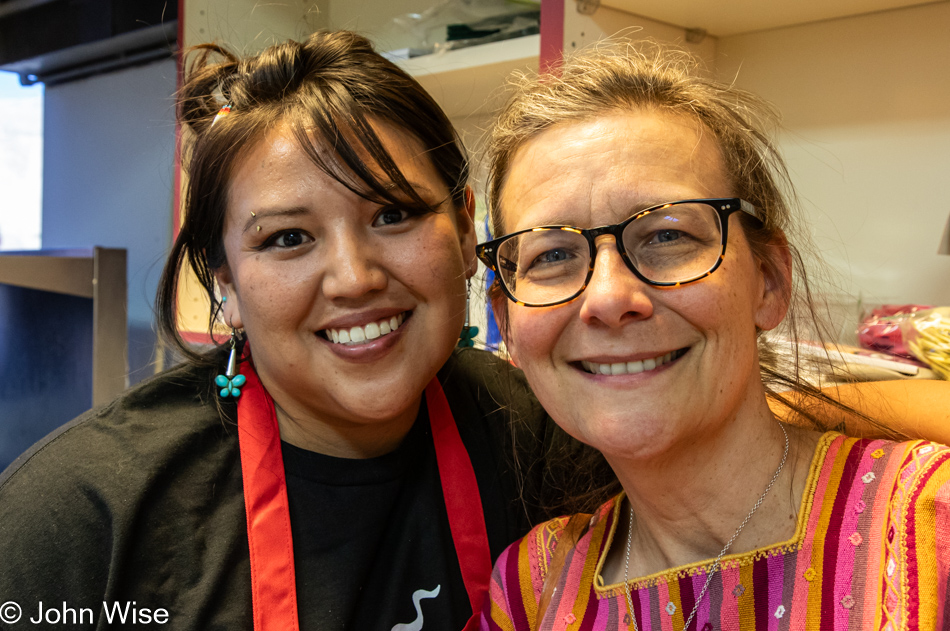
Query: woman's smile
column 651, row 363
column 361, row 334
column 368, row 343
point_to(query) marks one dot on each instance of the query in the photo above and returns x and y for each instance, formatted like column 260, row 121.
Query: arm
column 915, row 408
column 923, row 537
column 497, row 607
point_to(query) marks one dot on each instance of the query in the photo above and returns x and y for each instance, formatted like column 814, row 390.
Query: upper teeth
column 630, row 368
column 371, row 331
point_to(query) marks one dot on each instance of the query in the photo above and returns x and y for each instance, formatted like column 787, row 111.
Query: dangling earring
column 230, row 382
column 467, row 338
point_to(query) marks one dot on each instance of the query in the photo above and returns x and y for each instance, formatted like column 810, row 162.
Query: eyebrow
column 287, row 212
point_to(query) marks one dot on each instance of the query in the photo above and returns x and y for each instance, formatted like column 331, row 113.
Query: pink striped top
column 871, row 551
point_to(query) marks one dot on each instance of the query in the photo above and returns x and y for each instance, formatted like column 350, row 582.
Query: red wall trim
column 552, row 34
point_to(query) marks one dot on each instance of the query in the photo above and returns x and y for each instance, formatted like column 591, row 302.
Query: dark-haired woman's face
column 350, row 307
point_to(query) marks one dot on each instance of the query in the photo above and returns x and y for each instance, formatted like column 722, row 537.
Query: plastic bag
column 881, row 330
column 927, row 335
column 452, row 24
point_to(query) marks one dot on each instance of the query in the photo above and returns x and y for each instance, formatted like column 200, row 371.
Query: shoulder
column 555, row 550
column 493, row 383
column 545, row 548
column 129, row 485
column 520, row 571
column 122, row 446
column 880, row 462
column 148, row 418
column 491, row 398
column 916, row 477
column 882, row 476
column 901, row 491
column 498, row 420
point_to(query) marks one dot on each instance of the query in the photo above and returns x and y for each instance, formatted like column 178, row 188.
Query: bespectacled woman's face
column 350, row 307
column 630, row 368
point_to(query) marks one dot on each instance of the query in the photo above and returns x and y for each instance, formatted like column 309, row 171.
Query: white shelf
column 469, row 81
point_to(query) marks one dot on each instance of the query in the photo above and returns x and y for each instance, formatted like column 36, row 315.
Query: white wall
column 866, row 106
column 108, row 166
column 21, row 163
column 582, row 30
column 247, row 27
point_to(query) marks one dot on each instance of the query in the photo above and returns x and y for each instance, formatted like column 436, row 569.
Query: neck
column 690, row 499
column 344, row 438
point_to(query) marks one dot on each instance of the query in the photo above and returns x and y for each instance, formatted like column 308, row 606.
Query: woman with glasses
column 644, row 255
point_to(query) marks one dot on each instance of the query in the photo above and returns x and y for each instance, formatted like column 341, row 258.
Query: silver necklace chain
column 715, row 566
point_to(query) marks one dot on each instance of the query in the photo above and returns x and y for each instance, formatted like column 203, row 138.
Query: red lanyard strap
column 273, row 584
column 462, row 500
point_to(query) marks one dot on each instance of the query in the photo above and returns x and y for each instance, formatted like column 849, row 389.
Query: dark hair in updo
column 327, row 90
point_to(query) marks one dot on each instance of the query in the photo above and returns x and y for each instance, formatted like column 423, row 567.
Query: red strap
column 462, row 500
column 273, row 585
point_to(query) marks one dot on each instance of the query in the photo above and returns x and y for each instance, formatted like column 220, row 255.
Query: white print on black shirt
column 419, row 594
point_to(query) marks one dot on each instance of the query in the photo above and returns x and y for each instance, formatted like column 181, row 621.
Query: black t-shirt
column 372, row 539
column 141, row 503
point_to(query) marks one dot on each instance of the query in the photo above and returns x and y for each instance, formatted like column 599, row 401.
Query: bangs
column 354, row 154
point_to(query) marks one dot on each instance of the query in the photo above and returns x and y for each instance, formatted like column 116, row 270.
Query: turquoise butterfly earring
column 230, row 382
column 467, row 338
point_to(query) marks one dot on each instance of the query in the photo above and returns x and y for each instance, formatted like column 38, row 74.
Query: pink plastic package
column 881, row 329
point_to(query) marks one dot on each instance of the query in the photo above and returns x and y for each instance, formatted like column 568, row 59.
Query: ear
column 231, row 309
column 467, row 235
column 776, row 271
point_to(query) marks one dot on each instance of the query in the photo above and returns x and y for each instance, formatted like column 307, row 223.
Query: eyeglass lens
column 671, row 244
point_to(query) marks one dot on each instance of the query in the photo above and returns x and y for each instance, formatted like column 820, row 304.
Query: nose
column 352, row 268
column 615, row 295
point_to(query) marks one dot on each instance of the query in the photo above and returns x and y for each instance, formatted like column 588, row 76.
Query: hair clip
column 224, row 111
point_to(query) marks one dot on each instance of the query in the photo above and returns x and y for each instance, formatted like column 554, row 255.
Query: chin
column 383, row 402
column 619, row 434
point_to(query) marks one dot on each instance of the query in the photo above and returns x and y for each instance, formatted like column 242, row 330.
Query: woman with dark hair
column 644, row 253
column 337, row 460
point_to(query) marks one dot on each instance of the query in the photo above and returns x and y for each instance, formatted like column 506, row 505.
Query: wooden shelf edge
column 473, row 57
column 470, row 81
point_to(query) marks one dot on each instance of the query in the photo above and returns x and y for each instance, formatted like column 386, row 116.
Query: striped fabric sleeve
column 496, row 612
column 518, row 579
column 942, row 545
column 926, row 541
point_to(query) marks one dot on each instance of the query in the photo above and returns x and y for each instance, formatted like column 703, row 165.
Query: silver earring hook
column 232, row 357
